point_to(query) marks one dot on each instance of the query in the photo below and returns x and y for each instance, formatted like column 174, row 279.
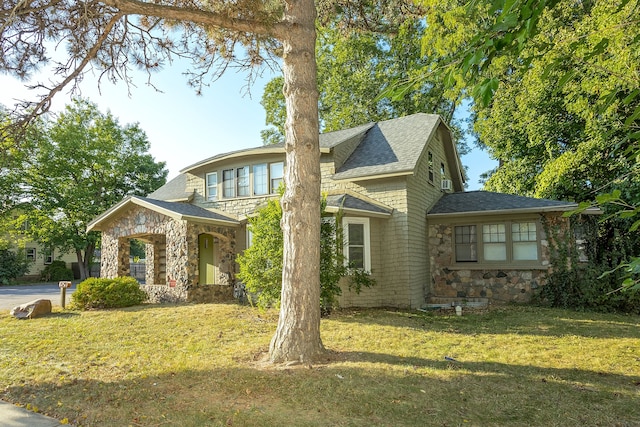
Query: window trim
column 274, row 189
column 211, row 195
column 246, row 179
column 30, row 254
column 231, row 187
column 346, row 221
column 509, row 261
column 266, row 179
column 48, row 256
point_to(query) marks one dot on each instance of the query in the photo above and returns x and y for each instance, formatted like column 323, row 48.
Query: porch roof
column 357, row 205
column 175, row 210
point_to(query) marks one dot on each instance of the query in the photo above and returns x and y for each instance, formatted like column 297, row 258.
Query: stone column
column 124, row 263
column 109, row 256
column 150, row 270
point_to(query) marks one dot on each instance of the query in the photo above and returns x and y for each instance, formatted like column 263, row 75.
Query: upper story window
column 245, row 181
column 443, row 171
column 228, row 184
column 242, row 175
column 212, row 186
column 260, row 183
column 357, row 246
column 276, row 174
column 430, row 158
column 500, row 242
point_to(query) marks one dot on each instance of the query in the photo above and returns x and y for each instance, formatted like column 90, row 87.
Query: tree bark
column 297, row 336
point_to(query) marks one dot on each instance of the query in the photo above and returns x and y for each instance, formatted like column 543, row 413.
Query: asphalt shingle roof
column 187, row 209
column 389, row 147
column 486, row 201
column 172, row 190
column 348, row 201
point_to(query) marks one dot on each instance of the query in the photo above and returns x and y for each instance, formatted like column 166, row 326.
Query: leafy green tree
column 79, row 166
column 355, row 69
column 113, row 36
column 13, row 264
column 261, row 264
column 555, row 84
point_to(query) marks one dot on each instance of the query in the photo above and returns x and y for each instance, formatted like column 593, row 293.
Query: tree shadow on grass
column 368, row 389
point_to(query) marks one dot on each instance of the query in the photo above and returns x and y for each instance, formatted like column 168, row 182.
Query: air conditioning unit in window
column 446, row 184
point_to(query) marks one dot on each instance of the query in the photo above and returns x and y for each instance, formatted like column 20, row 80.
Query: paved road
column 10, row 296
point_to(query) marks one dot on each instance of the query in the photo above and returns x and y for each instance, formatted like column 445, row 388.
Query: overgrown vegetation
column 107, row 293
column 56, row 271
column 13, row 264
column 261, row 263
column 198, row 365
column 587, row 284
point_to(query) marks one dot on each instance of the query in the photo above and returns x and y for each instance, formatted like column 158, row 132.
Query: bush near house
column 12, row 265
column 56, row 271
column 96, row 293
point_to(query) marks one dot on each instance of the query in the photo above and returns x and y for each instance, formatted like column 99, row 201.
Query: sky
column 182, row 127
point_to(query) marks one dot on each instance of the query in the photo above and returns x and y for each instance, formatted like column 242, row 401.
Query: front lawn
column 200, row 365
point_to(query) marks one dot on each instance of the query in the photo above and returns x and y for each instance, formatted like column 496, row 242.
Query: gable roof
column 391, row 147
column 173, row 191
column 355, row 204
column 487, row 202
column 175, row 210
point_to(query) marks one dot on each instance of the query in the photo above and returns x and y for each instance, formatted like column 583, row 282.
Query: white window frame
column 48, row 256
column 30, row 254
column 229, row 188
column 260, row 188
column 273, row 177
column 212, row 190
column 367, row 239
column 243, row 185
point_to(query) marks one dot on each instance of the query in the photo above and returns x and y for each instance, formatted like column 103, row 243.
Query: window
column 212, row 186
column 228, row 187
column 242, row 175
column 509, row 241
column 466, row 243
column 260, row 179
column 48, row 256
column 356, row 242
column 31, row 254
column 430, row 157
column 276, row 172
column 443, row 172
column 494, row 242
column 525, row 241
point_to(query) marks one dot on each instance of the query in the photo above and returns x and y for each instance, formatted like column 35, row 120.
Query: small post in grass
column 63, row 285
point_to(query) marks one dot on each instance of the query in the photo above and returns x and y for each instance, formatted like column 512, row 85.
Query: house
column 38, row 255
column 406, row 219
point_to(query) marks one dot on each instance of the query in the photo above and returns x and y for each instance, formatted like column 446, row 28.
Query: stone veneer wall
column 500, row 285
column 178, row 240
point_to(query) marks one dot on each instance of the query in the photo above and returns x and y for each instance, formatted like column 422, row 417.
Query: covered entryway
column 188, row 247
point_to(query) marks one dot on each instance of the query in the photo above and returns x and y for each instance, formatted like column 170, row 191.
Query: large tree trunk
column 297, row 337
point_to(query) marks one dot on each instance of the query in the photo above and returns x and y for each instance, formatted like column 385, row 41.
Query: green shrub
column 107, row 293
column 56, row 271
column 12, row 265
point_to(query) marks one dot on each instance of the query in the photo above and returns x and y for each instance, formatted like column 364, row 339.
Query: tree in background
column 555, row 84
column 356, row 68
column 75, row 168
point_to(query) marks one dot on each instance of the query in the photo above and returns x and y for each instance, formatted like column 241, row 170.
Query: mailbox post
column 63, row 285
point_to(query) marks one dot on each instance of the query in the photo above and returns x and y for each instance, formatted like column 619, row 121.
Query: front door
column 208, row 264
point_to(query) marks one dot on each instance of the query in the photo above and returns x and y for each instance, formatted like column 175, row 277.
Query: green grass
column 198, row 365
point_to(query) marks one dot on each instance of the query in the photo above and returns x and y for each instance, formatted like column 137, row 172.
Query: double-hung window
column 276, row 174
column 30, row 254
column 356, row 241
column 260, row 187
column 228, row 184
column 509, row 241
column 48, row 256
column 242, row 175
column 212, row 186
